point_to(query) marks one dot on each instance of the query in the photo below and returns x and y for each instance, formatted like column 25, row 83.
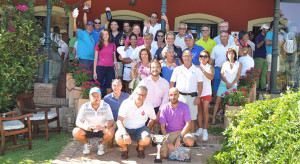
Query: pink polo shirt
column 139, row 42
column 106, row 55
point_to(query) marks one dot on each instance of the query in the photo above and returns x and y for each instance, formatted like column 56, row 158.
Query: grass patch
column 216, row 131
column 42, row 151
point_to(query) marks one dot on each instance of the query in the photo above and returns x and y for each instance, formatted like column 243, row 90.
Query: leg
column 218, row 101
column 192, row 129
column 258, row 65
column 108, row 135
column 200, row 114
column 80, row 135
column 269, row 59
column 143, row 143
column 109, row 76
column 120, row 141
column 205, row 106
column 263, row 74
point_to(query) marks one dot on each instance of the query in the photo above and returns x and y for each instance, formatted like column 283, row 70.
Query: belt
column 193, row 94
column 127, row 67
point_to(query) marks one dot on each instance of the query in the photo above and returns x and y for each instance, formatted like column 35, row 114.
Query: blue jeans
column 105, row 72
column 217, row 78
column 89, row 64
column 135, row 134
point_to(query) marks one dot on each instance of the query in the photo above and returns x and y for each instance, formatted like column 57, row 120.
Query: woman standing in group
column 208, row 73
column 105, row 61
column 159, row 39
column 141, row 69
column 230, row 74
column 127, row 64
column 136, row 29
column 169, row 63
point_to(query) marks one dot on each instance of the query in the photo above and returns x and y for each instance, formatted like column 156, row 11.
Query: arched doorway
column 58, row 18
column 255, row 24
column 195, row 21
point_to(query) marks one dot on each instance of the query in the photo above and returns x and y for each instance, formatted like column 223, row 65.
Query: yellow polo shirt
column 208, row 46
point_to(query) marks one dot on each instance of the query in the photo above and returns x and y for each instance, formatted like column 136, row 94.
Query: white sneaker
column 199, row 132
column 205, row 135
column 100, row 149
column 86, row 148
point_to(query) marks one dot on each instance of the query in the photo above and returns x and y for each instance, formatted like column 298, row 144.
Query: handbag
column 290, row 45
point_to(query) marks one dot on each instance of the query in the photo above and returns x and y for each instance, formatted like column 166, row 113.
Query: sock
column 204, row 130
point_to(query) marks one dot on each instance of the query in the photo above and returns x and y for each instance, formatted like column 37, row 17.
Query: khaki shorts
column 172, row 138
column 190, row 101
column 269, row 59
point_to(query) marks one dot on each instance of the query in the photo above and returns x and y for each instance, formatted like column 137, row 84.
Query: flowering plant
column 82, row 76
column 86, row 86
column 74, row 66
column 235, row 98
column 251, row 77
column 22, row 8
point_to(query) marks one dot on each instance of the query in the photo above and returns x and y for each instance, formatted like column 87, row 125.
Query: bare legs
column 203, row 114
column 218, row 103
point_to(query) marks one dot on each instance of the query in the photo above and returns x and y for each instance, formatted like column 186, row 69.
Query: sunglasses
column 203, row 56
column 153, row 17
column 160, row 36
column 205, row 30
column 182, row 28
column 97, row 22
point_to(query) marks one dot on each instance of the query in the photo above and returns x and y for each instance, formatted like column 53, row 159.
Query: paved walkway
column 73, row 153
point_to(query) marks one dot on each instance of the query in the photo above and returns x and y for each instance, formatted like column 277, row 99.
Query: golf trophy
column 159, row 140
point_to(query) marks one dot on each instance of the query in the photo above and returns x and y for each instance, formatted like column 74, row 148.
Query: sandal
column 124, row 154
column 213, row 122
column 141, row 153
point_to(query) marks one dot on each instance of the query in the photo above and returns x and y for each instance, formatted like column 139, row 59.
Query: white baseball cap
column 264, row 26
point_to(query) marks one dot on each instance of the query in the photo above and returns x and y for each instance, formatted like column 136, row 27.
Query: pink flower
column 258, row 70
column 253, row 73
column 11, row 29
column 244, row 94
column 222, row 94
column 246, row 79
column 247, row 71
column 257, row 75
column 255, row 79
column 76, row 64
column 235, row 104
column 252, row 68
column 22, row 8
column 250, row 81
column 226, row 93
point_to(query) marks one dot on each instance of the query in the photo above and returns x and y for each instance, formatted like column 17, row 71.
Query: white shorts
column 126, row 74
column 269, row 59
column 190, row 101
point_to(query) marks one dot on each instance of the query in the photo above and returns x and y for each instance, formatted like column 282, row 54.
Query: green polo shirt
column 208, row 46
column 71, row 45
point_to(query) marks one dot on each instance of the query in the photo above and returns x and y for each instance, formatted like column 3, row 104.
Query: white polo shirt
column 179, row 41
column 247, row 63
column 135, row 55
column 206, row 82
column 135, row 117
column 92, row 117
column 187, row 79
column 153, row 29
column 157, row 91
column 218, row 54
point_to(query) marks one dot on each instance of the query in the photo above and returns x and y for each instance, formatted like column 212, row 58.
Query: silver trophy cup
column 159, row 140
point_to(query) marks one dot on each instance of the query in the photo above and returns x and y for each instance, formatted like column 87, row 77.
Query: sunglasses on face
column 160, row 36
column 182, row 28
column 97, row 22
column 205, row 30
column 153, row 17
column 203, row 56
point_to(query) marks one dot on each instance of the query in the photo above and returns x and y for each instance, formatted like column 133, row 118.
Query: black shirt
column 177, row 53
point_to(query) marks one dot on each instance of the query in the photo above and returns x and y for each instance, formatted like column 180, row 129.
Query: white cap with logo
column 264, row 26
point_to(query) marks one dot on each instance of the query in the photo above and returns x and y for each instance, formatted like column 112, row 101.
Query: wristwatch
column 179, row 136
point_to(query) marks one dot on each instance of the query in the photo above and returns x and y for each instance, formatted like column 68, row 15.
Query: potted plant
column 86, row 86
column 248, row 82
column 233, row 100
column 80, row 77
column 70, row 81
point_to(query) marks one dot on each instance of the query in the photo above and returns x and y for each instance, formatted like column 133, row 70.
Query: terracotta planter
column 228, row 108
column 78, row 104
column 75, row 94
column 70, row 84
column 252, row 93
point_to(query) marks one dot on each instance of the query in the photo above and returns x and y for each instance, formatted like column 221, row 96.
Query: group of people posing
column 177, row 74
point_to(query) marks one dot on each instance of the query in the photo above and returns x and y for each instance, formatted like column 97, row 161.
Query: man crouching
column 95, row 119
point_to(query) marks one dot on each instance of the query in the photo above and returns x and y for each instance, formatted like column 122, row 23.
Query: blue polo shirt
column 269, row 47
column 260, row 52
column 195, row 52
column 86, row 44
column 115, row 103
column 96, row 34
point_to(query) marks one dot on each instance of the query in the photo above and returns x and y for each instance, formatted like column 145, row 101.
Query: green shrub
column 264, row 132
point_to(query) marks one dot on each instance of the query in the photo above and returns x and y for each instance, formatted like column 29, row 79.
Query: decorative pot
column 75, row 94
column 70, row 84
column 252, row 93
column 78, row 103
